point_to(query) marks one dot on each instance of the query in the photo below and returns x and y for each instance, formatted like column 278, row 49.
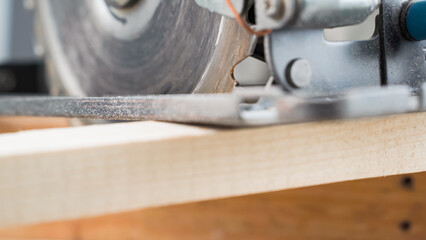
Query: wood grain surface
column 80, row 172
column 380, row 209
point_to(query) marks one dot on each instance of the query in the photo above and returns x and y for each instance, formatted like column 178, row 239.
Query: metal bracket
column 388, row 58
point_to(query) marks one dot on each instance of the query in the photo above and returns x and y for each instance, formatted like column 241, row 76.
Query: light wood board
column 81, row 172
column 380, row 209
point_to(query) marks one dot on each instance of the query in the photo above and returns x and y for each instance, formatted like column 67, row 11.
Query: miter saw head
column 152, row 47
column 138, row 47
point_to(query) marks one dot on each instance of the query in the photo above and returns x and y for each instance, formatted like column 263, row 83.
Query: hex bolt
column 121, row 4
column 299, row 73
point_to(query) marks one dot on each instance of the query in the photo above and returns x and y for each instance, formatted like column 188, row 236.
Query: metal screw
column 299, row 73
column 121, row 4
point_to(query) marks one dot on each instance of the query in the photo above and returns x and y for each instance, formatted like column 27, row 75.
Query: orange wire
column 243, row 23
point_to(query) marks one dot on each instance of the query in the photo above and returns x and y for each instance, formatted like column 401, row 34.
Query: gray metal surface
column 238, row 110
column 423, row 97
column 16, row 33
column 405, row 60
column 156, row 47
column 277, row 14
column 336, row 66
column 312, row 14
column 333, row 13
column 277, row 20
column 5, row 29
column 386, row 59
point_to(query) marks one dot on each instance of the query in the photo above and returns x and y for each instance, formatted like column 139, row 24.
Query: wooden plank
column 90, row 171
column 381, row 209
column 16, row 124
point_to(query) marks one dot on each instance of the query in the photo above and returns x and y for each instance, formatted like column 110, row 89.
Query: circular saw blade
column 156, row 47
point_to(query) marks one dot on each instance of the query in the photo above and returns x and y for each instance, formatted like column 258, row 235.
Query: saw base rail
column 236, row 110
